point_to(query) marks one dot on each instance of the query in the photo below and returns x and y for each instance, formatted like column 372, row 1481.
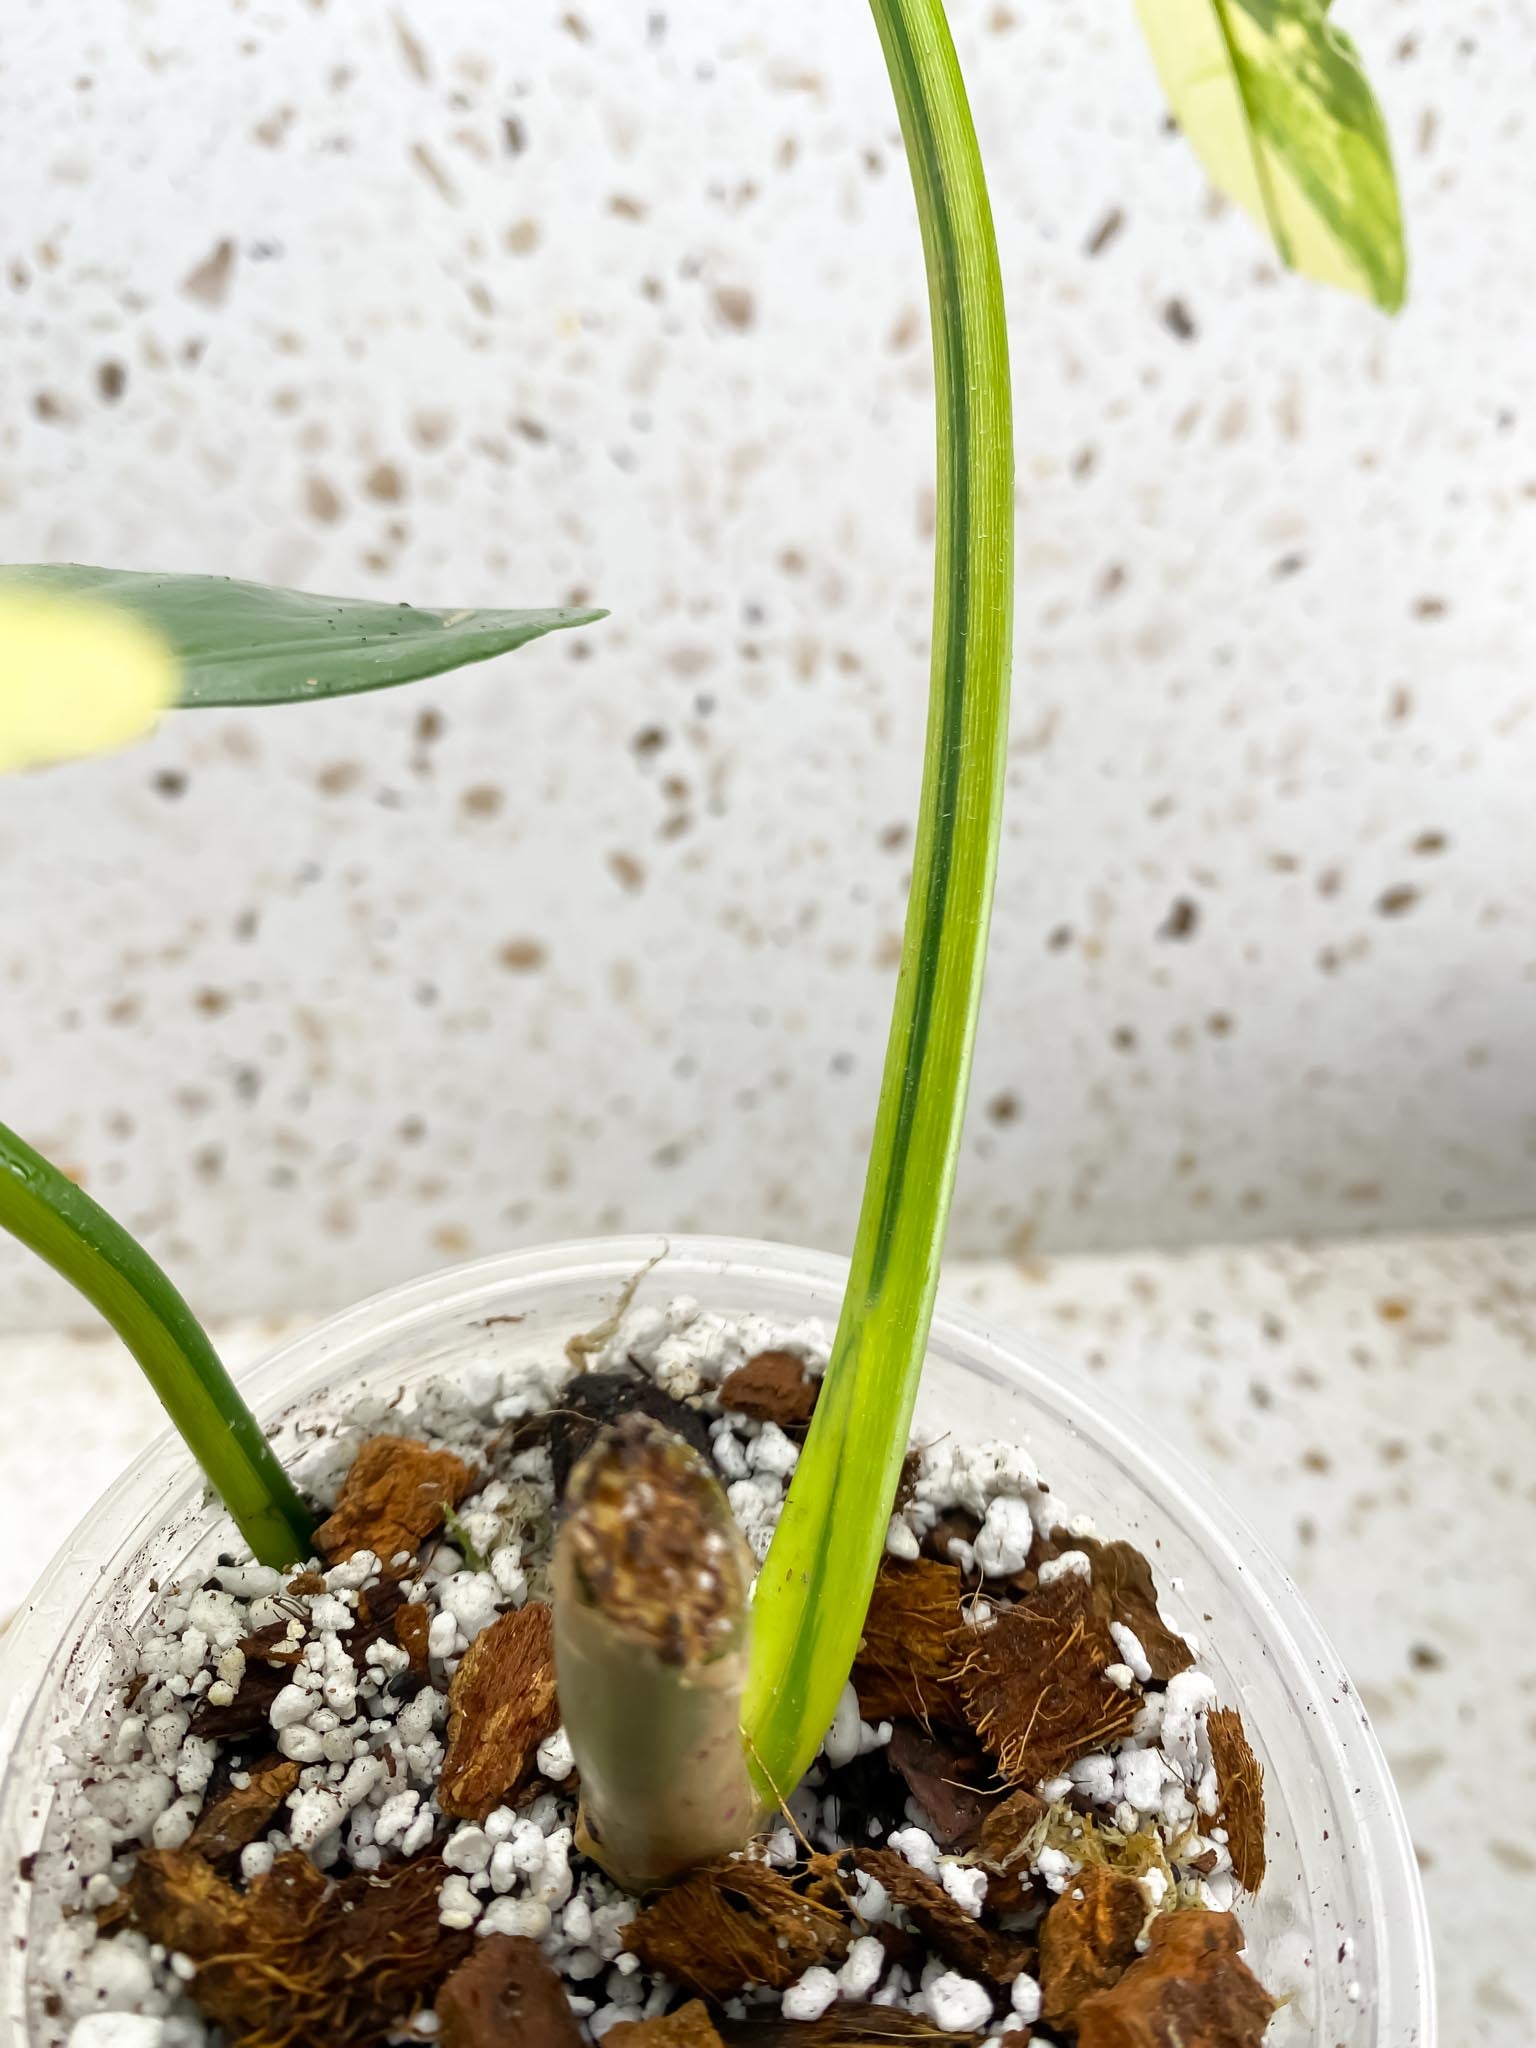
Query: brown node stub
column 653, row 1543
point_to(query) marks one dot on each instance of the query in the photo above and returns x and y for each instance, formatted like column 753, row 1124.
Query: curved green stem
column 80, row 1240
column 814, row 1588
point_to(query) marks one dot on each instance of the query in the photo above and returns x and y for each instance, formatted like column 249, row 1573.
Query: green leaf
column 244, row 643
column 1276, row 104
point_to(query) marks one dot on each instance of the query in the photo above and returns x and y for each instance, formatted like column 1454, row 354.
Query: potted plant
column 325, row 1782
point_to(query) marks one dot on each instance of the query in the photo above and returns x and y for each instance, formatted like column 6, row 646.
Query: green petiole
column 77, row 1237
column 815, row 1585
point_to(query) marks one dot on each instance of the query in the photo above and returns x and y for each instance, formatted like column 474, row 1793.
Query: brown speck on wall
column 735, row 306
column 1182, row 921
column 1105, row 232
column 1397, row 901
column 385, row 482
column 208, row 282
column 522, row 956
column 1179, row 321
column 321, row 500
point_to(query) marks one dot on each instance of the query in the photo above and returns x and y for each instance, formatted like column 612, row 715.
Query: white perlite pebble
column 809, row 1997
column 555, row 1757
column 457, row 1906
column 1070, row 1564
column 843, row 1741
column 528, row 1917
column 472, row 1598
column 467, row 1849
column 1025, row 1998
column 901, row 1542
column 1094, row 1777
column 1128, row 1643
column 957, row 2004
column 1142, row 1774
column 771, row 1451
column 966, row 1885
column 918, row 1846
column 315, row 1814
column 250, row 1581
column 117, row 2030
column 1189, row 1696
column 1003, row 1542
column 861, row 1971
column 301, row 1744
column 292, row 1705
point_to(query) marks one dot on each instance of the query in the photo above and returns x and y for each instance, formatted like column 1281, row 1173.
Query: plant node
column 651, row 1585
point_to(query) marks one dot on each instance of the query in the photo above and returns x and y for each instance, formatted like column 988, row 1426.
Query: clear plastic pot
column 1338, row 1929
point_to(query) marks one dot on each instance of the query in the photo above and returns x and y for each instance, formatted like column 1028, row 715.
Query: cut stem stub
column 651, row 1585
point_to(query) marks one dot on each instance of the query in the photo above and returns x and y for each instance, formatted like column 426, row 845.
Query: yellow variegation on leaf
column 1274, row 101
column 76, row 678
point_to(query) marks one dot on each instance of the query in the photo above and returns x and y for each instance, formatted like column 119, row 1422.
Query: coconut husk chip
column 1240, row 1789
column 1087, row 1940
column 300, row 1957
column 970, row 1945
column 1009, row 1833
column 507, row 1991
column 1191, row 1989
column 854, row 2025
column 689, row 2027
column 909, row 1645
column 244, row 1812
column 1033, row 1683
column 502, row 1704
column 1009, row 1829
column 392, row 1499
column 772, row 1387
column 1124, row 1590
column 733, row 1924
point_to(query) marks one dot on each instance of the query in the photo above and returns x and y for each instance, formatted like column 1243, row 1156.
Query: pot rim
column 1289, row 1627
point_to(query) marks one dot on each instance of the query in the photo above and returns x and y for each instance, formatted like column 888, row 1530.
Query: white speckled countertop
column 1371, row 1407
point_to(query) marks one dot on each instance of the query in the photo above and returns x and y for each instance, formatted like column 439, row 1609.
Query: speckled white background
column 626, row 302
